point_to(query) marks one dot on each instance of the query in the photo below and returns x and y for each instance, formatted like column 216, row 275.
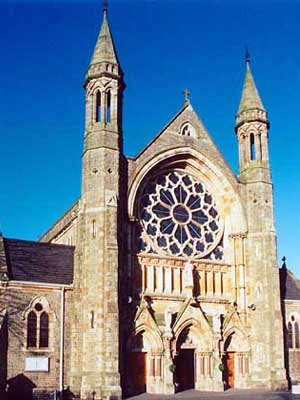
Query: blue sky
column 164, row 46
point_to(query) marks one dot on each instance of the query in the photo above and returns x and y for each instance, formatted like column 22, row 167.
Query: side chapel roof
column 39, row 262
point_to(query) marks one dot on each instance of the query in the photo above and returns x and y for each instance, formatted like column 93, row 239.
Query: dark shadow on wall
column 68, row 395
column 3, row 356
column 20, row 388
column 282, row 282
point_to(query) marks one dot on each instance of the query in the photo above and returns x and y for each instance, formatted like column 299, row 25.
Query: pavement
column 235, row 394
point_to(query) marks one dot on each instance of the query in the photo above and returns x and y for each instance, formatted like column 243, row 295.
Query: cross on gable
column 186, row 93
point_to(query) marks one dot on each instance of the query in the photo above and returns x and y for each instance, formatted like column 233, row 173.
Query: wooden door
column 137, row 372
column 185, row 372
column 229, row 370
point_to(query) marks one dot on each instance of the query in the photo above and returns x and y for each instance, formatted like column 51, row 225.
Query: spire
column 104, row 52
column 251, row 107
column 250, row 98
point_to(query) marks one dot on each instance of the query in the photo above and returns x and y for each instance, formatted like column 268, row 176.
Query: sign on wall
column 40, row 364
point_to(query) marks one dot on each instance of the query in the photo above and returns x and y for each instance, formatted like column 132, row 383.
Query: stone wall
column 23, row 383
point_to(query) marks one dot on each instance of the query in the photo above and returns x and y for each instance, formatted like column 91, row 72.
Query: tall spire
column 104, row 56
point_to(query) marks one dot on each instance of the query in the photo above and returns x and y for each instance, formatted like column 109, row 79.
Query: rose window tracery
column 179, row 217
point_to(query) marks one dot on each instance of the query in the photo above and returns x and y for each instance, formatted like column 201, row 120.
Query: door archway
column 185, row 360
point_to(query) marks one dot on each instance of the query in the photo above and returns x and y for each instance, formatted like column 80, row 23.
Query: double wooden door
column 137, row 371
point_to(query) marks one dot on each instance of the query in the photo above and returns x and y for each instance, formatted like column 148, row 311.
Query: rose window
column 179, row 217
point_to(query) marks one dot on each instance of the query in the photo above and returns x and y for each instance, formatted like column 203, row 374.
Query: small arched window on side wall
column 44, row 330
column 98, row 106
column 31, row 329
column 252, row 147
column 296, row 327
column 37, row 324
column 108, row 106
column 290, row 335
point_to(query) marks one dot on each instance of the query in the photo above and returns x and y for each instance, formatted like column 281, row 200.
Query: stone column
column 217, row 375
column 239, row 270
column 168, row 373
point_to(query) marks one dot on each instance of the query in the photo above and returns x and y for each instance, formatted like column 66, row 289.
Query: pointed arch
column 98, row 106
column 108, row 106
column 39, row 319
column 290, row 335
column 44, row 330
column 252, row 147
column 217, row 183
column 147, row 338
column 235, row 339
column 191, row 319
column 32, row 329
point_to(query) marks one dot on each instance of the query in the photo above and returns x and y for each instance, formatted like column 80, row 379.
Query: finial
column 105, row 6
column 247, row 55
column 284, row 262
column 186, row 93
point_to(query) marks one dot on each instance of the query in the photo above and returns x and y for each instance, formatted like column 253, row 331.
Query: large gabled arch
column 227, row 198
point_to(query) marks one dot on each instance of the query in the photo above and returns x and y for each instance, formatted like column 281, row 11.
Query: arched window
column 297, row 344
column 252, row 147
column 108, row 106
column 38, row 326
column 44, row 330
column 31, row 329
column 98, row 106
column 290, row 335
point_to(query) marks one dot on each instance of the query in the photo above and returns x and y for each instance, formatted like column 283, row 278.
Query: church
column 163, row 276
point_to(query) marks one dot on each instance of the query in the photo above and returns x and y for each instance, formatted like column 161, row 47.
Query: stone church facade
column 163, row 276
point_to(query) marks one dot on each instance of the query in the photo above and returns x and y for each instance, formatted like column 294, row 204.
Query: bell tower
column 262, row 276
column 97, row 263
column 252, row 127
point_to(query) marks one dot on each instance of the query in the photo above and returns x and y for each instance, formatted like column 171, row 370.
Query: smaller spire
column 187, row 94
column 250, row 98
column 104, row 56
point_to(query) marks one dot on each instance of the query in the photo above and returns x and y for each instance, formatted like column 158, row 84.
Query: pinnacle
column 250, row 98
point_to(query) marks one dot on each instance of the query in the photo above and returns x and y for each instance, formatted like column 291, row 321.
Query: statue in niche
column 168, row 318
column 216, row 322
column 188, row 278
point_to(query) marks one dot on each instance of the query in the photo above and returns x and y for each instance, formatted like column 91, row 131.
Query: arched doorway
column 235, row 359
column 185, row 361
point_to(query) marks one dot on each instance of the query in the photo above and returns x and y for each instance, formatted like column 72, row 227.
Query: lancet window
column 108, row 106
column 252, row 147
column 98, row 106
column 293, row 333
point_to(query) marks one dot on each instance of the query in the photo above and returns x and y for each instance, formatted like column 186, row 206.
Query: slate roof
column 290, row 285
column 39, row 262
